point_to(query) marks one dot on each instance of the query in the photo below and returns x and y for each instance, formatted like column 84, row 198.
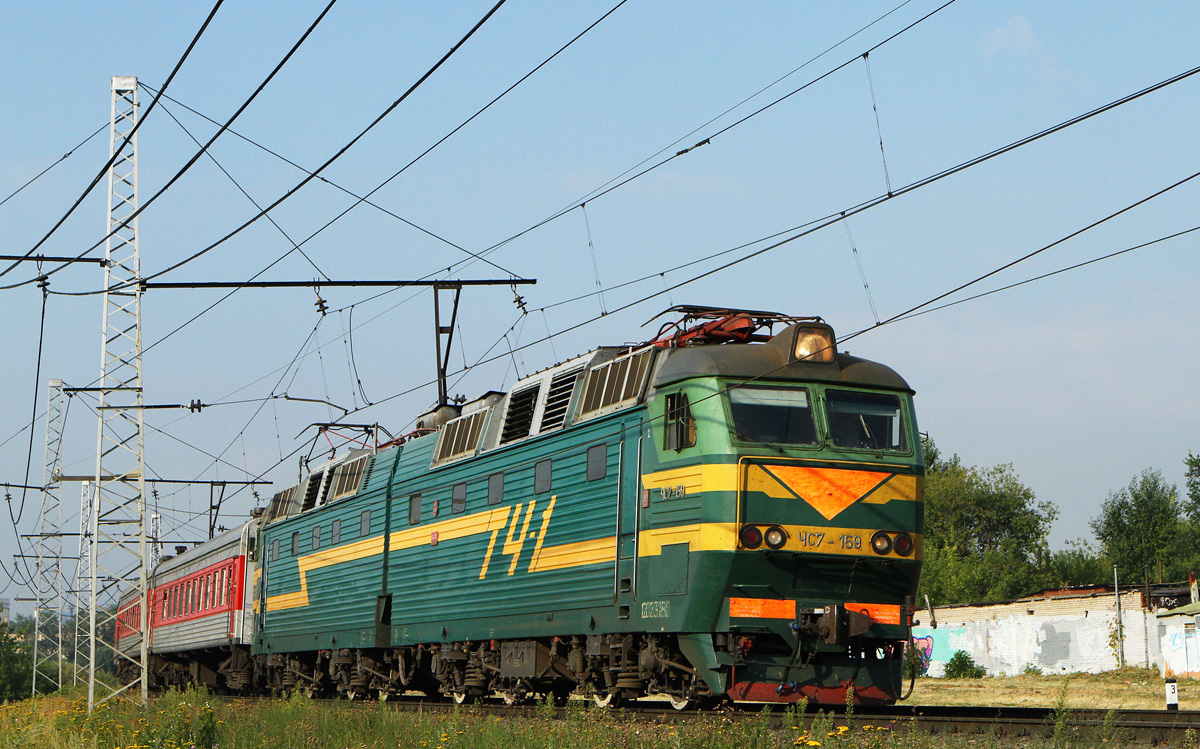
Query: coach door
column 628, row 514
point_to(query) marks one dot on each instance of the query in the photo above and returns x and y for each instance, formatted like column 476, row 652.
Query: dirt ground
column 1130, row 688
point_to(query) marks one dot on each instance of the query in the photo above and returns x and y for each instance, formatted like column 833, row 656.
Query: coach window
column 364, row 523
column 597, row 462
column 295, row 543
column 335, row 532
column 414, row 509
column 316, row 537
column 204, row 593
column 495, row 488
column 542, row 471
column 275, row 550
column 166, row 603
column 458, row 499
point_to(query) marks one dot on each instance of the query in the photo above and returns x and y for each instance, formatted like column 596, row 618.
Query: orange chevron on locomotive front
column 827, row 490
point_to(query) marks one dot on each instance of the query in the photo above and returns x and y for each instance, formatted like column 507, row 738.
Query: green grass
column 183, row 720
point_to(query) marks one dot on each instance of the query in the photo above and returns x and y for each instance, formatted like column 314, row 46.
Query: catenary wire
column 1043, row 276
column 242, row 190
column 793, row 238
column 754, row 95
column 60, row 160
column 117, row 151
column 707, row 140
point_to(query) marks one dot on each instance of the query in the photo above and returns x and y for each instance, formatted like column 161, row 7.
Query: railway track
column 1152, row 727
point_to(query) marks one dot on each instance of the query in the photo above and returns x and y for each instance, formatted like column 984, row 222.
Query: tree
column 1192, row 503
column 16, row 664
column 1078, row 564
column 985, row 532
column 1140, row 525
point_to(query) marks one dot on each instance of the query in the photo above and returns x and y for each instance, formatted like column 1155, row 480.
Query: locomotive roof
column 770, row 361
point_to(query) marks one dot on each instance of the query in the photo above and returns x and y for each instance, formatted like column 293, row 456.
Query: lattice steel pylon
column 83, row 573
column 119, row 553
column 48, row 574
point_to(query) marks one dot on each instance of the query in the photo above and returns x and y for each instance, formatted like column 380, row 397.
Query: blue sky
column 1080, row 380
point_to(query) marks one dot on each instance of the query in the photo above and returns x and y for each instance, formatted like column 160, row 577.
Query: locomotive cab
column 802, row 467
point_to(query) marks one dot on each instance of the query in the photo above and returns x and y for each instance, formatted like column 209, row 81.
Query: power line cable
column 359, row 200
column 340, row 152
column 117, row 151
column 203, row 149
column 315, row 174
column 334, row 185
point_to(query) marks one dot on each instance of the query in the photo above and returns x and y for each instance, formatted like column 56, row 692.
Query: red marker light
column 750, row 537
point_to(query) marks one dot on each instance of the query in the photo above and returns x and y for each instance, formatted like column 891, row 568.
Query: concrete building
column 1058, row 631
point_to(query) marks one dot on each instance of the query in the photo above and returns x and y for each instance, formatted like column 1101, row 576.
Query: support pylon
column 119, row 553
column 48, row 574
column 79, row 587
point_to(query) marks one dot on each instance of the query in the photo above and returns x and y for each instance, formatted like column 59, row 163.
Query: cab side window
column 679, row 428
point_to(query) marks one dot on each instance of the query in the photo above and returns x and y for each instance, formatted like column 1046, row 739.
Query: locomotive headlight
column 904, row 544
column 814, row 344
column 750, row 537
column 775, row 537
column 882, row 542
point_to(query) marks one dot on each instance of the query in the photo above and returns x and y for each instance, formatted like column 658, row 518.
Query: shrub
column 962, row 666
column 915, row 661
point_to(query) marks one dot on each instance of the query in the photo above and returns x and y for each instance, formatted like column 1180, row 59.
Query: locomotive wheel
column 608, row 699
column 681, row 703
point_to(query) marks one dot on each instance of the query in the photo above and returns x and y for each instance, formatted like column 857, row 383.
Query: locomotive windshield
column 772, row 415
column 865, row 420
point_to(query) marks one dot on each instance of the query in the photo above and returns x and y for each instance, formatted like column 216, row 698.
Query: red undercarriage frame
column 760, row 691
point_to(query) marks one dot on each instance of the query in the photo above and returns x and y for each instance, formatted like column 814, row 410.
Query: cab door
column 629, row 501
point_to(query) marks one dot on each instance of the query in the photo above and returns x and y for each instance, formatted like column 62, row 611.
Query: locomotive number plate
column 673, row 492
column 656, row 609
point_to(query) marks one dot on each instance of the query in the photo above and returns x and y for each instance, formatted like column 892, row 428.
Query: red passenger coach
column 199, row 631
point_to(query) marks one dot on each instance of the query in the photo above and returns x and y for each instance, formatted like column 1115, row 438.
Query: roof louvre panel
column 518, row 420
column 558, row 399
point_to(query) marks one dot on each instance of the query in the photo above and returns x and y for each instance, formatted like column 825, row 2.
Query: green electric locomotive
column 718, row 514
